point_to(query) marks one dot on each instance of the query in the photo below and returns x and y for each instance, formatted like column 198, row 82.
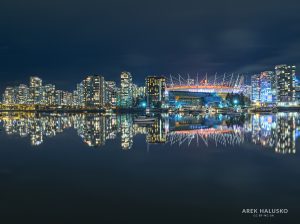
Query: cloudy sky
column 62, row 40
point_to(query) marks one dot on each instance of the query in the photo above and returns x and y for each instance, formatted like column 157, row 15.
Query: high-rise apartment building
column 22, row 94
column 268, row 87
column 126, row 93
column 94, row 91
column 110, row 93
column 255, row 88
column 35, row 90
column 286, row 85
column 48, row 95
column 9, row 96
column 155, row 91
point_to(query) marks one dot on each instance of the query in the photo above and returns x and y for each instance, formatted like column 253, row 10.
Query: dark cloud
column 62, row 41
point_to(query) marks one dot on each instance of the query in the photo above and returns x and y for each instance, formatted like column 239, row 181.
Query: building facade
column 48, row 95
column 286, row 85
column 263, row 88
column 94, row 91
column 9, row 96
column 268, row 87
column 22, row 94
column 255, row 88
column 110, row 94
column 35, row 90
column 156, row 91
column 126, row 93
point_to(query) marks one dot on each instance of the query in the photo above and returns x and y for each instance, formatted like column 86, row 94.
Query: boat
column 144, row 119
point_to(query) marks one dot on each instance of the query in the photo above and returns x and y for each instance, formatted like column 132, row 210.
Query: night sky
column 63, row 41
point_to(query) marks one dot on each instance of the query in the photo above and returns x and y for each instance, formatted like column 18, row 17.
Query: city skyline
column 139, row 79
column 268, row 90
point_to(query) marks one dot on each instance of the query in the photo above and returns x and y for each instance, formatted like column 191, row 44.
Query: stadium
column 208, row 91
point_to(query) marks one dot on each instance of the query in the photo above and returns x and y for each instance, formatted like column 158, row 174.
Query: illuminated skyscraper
column 155, row 91
column 22, row 94
column 255, row 91
column 297, row 89
column 94, row 91
column 9, row 96
column 118, row 91
column 285, row 79
column 35, row 90
column 126, row 93
column 139, row 93
column 75, row 98
column 80, row 94
column 267, row 87
column 63, row 98
column 110, row 93
column 67, row 98
column 263, row 88
column 48, row 94
column 59, row 97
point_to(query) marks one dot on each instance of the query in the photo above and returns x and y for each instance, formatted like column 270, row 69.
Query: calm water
column 88, row 168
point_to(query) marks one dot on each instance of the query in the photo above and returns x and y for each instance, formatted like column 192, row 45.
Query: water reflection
column 277, row 132
column 219, row 130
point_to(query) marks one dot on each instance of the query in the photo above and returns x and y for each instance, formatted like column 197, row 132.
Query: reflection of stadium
column 194, row 92
column 220, row 135
column 205, row 129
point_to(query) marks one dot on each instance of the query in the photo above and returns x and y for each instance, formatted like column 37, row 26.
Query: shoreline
column 229, row 111
column 143, row 111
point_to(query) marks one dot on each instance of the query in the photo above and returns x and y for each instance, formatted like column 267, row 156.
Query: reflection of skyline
column 157, row 132
column 286, row 132
column 263, row 128
column 276, row 132
column 126, row 131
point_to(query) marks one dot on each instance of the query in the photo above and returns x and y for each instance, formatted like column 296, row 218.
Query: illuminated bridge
column 213, row 84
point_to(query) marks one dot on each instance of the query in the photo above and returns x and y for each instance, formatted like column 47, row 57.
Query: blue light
column 144, row 104
column 235, row 101
column 178, row 105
